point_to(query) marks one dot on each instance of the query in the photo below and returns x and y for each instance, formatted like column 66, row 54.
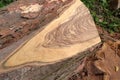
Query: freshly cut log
column 44, row 32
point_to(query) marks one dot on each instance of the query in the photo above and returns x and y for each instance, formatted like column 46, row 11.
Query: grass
column 103, row 16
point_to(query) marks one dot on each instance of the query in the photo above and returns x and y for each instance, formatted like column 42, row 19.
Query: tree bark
column 114, row 4
column 42, row 38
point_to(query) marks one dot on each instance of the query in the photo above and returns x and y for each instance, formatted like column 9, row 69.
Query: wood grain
column 71, row 33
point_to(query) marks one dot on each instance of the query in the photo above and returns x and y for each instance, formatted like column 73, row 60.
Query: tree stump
column 42, row 38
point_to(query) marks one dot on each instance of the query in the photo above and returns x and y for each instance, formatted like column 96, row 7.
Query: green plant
column 5, row 2
column 103, row 16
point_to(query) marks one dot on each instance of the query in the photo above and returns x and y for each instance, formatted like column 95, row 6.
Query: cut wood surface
column 64, row 29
